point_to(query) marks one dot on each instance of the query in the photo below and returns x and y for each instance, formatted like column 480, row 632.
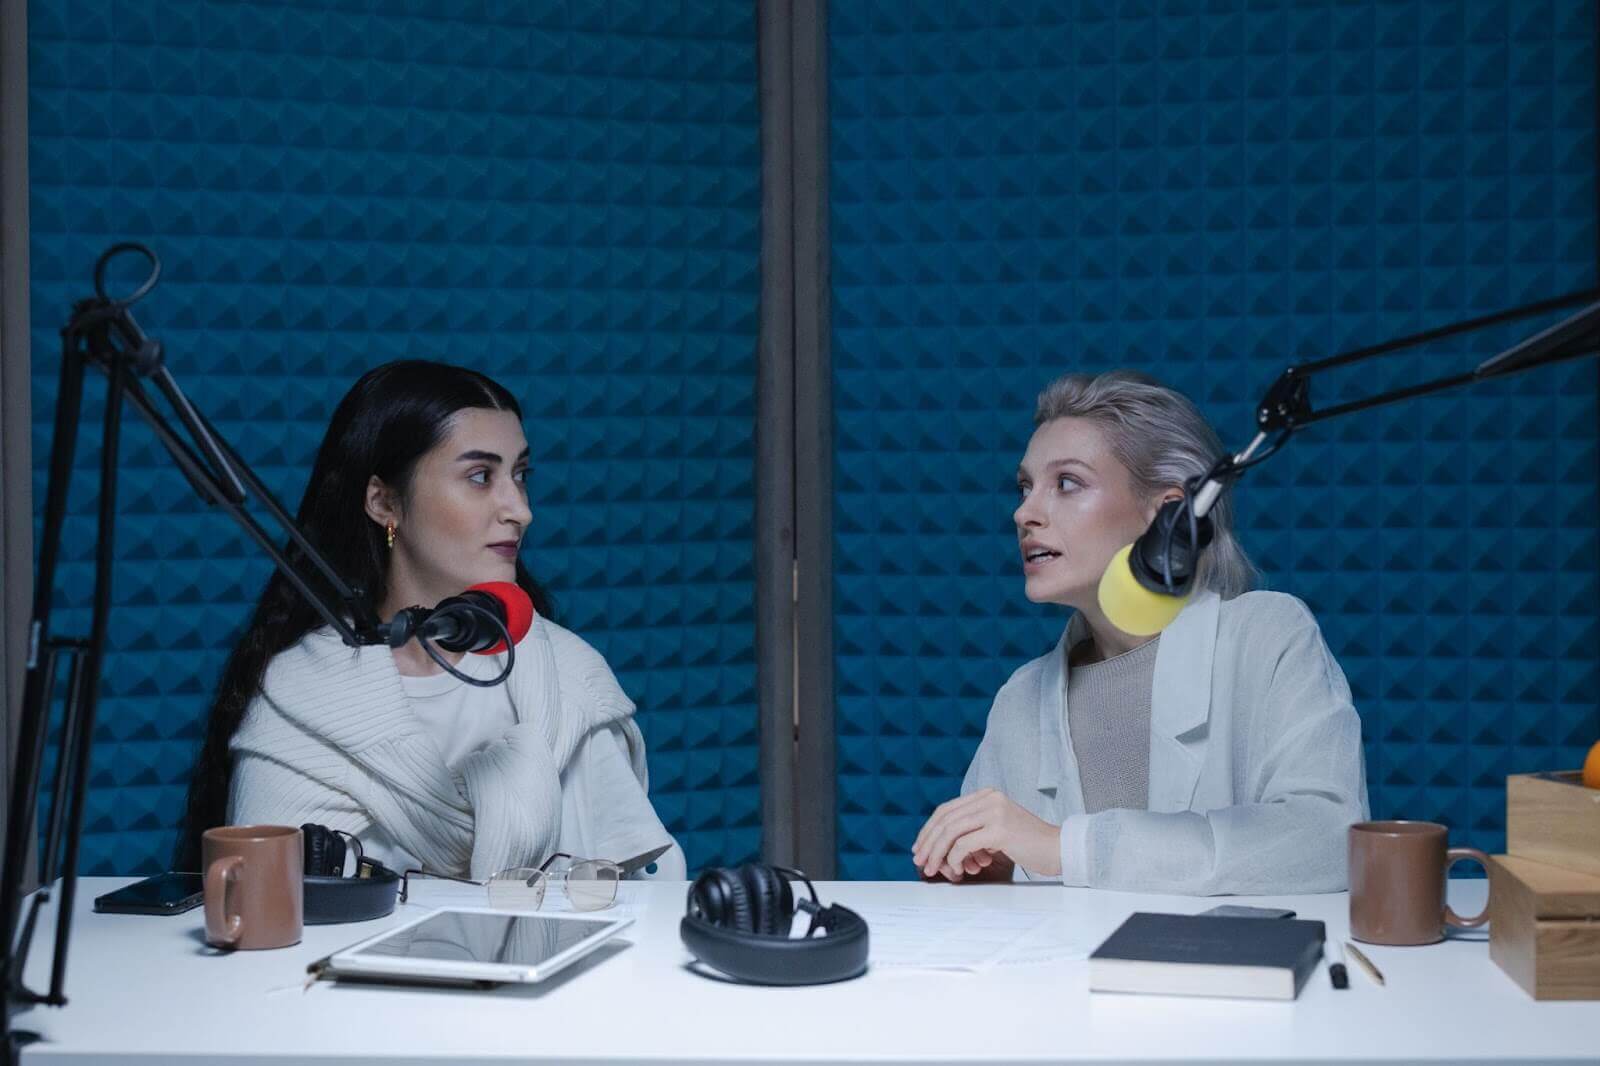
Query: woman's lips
column 1033, row 566
column 1039, row 556
column 505, row 551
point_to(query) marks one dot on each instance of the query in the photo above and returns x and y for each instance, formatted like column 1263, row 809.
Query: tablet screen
column 471, row 936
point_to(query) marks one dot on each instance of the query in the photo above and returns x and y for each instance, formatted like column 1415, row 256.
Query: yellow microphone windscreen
column 1130, row 606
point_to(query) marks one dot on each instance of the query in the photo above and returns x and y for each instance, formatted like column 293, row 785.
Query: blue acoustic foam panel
column 1210, row 192
column 565, row 196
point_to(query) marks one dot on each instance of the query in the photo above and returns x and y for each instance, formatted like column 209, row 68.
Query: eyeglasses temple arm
column 406, row 877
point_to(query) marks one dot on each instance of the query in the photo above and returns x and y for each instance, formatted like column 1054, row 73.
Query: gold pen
column 1364, row 962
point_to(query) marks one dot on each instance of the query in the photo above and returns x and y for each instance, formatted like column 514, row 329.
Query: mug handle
column 1451, row 857
column 221, row 876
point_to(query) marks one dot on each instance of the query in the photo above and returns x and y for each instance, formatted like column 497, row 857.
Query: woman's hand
column 976, row 833
column 980, row 867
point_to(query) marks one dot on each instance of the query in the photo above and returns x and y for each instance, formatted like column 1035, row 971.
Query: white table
column 147, row 990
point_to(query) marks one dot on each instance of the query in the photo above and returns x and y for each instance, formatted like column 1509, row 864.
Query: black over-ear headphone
column 331, row 897
column 738, row 922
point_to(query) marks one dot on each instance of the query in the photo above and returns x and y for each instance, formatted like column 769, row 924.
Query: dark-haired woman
column 417, row 492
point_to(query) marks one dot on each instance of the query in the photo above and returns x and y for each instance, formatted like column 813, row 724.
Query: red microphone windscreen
column 518, row 608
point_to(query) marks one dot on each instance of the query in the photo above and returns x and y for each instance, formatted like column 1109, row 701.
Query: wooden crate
column 1552, row 818
column 1544, row 927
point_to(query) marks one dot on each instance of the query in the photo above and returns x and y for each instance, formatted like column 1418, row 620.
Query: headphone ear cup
column 741, row 917
column 705, row 902
column 785, row 917
column 772, row 902
column 323, row 851
column 721, row 900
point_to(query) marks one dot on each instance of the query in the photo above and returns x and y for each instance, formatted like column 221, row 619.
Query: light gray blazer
column 1256, row 769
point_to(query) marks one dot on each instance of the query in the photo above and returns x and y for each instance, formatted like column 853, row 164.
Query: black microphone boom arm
column 1287, row 405
column 102, row 333
column 1165, row 558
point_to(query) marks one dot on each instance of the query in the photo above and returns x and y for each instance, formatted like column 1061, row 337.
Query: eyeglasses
column 590, row 884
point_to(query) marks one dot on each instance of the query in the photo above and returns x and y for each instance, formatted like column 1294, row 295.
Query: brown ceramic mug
column 254, row 885
column 1397, row 883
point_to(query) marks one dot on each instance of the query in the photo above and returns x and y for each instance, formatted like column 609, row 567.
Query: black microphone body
column 458, row 623
column 1165, row 557
column 455, row 624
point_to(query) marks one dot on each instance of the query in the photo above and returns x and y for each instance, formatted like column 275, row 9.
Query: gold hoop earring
column 390, row 532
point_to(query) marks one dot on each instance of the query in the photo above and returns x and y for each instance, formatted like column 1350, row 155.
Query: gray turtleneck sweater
column 1108, row 718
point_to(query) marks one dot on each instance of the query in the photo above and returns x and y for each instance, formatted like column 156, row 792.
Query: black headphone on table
column 330, row 896
column 738, row 922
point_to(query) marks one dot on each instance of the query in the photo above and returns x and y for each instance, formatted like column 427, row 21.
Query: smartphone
column 1234, row 910
column 168, row 893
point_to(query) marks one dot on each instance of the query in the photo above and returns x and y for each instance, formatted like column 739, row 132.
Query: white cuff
column 1075, row 850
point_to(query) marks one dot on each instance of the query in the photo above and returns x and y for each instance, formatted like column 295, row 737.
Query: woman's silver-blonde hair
column 1163, row 440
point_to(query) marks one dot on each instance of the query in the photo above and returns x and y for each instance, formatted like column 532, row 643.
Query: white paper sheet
column 1053, row 940
column 945, row 938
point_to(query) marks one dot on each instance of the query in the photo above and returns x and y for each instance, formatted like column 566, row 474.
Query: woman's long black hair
column 387, row 421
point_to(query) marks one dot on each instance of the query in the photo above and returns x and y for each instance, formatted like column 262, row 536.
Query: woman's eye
column 1022, row 490
column 1066, row 484
column 521, row 476
column 480, row 477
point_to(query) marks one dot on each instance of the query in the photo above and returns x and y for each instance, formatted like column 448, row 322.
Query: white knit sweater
column 331, row 738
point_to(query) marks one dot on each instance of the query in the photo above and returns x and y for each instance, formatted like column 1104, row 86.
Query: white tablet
column 470, row 944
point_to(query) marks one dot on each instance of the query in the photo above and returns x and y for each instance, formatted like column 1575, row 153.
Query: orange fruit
column 1591, row 767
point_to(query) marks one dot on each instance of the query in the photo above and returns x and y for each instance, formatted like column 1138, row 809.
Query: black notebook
column 1192, row 955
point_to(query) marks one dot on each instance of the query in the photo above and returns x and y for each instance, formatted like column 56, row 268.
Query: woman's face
column 1077, row 508
column 466, row 512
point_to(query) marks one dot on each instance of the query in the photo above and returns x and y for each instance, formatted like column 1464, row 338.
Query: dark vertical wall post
column 794, row 528
column 16, row 463
column 816, row 799
column 775, row 501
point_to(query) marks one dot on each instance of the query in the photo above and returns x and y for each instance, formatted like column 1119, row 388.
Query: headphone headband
column 329, row 896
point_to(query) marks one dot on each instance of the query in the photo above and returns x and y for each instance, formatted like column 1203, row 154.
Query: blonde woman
column 1222, row 756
